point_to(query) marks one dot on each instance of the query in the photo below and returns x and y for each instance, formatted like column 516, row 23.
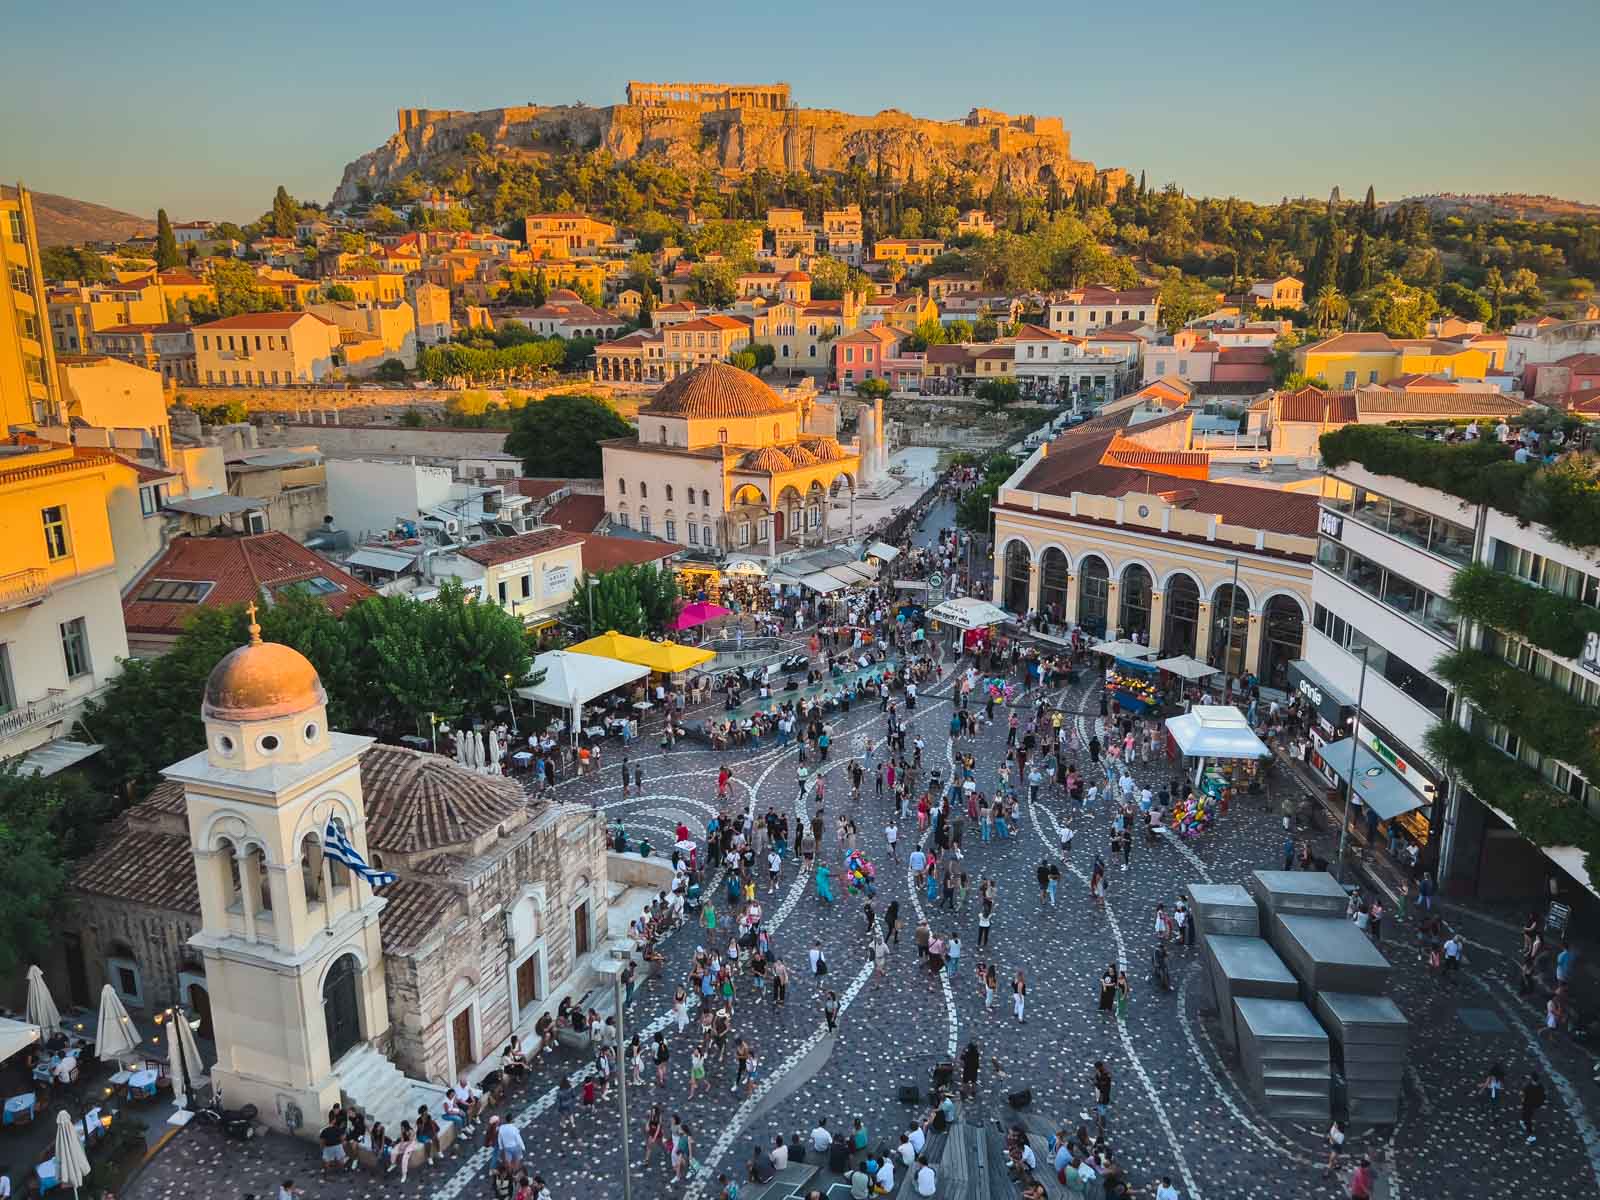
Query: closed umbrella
column 178, row 1065
column 42, row 1009
column 72, row 1164
column 480, row 760
column 115, row 1035
column 495, row 752
column 461, row 747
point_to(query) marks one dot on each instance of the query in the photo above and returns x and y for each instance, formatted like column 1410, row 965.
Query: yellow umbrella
column 666, row 657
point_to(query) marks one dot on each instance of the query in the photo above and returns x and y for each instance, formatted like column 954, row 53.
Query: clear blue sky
column 206, row 107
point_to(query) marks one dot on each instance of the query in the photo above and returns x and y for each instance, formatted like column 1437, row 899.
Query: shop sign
column 1591, row 653
column 1330, row 523
column 557, row 579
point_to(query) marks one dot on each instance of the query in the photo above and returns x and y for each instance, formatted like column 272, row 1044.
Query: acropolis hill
column 734, row 129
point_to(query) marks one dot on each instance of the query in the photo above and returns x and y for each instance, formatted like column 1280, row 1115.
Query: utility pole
column 614, row 968
column 1227, row 653
column 1355, row 742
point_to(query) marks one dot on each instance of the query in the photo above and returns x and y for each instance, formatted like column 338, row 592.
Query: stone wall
column 430, row 444
column 158, row 939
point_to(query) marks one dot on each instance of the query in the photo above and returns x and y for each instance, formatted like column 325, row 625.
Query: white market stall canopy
column 968, row 612
column 884, row 551
column 1188, row 668
column 849, row 574
column 821, row 582
column 570, row 677
column 1122, row 648
column 16, row 1036
column 744, row 566
column 1216, row 731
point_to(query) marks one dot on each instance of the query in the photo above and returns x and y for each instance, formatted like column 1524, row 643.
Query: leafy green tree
column 958, row 332
column 285, row 213
column 1329, row 307
column 73, row 262
column 239, row 291
column 166, row 242
column 713, row 284
column 561, row 435
column 32, row 809
column 985, row 329
column 391, row 370
column 765, row 354
column 338, row 291
column 412, row 419
column 998, row 393
column 577, row 351
column 1184, row 298
column 1465, row 303
column 658, row 595
column 1397, row 308
column 605, row 601
column 872, row 389
column 384, row 219
column 745, row 360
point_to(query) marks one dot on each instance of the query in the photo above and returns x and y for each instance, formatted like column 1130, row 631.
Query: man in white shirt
column 885, row 1176
column 927, row 1181
column 821, row 1139
column 906, row 1151
column 779, row 1153
column 918, row 1138
column 1166, row 1191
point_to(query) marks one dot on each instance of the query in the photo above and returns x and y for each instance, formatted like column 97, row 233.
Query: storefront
column 1389, row 780
column 1332, row 713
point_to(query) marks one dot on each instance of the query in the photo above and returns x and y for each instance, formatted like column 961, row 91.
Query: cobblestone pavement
column 1178, row 1106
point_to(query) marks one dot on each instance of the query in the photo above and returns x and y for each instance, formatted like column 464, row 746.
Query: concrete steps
column 381, row 1090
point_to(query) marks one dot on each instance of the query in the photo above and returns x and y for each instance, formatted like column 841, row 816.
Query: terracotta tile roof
column 1094, row 294
column 1580, row 364
column 146, row 327
column 1241, row 355
column 1036, row 333
column 535, row 489
column 141, row 866
column 716, row 389
column 1585, row 401
column 523, row 545
column 602, row 553
column 767, row 459
column 266, row 320
column 240, row 568
column 417, row 801
column 1315, row 405
column 714, row 322
column 826, row 449
column 639, row 337
column 165, row 797
column 948, row 354
column 415, row 911
column 1125, row 452
column 578, row 513
column 1374, row 401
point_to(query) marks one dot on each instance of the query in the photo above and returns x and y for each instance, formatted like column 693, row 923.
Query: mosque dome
column 715, row 390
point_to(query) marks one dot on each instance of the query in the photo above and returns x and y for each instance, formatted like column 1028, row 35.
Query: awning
column 1186, row 667
column 867, row 569
column 582, row 677
column 667, row 657
column 1378, row 787
column 884, row 551
column 968, row 612
column 393, row 561
column 220, row 505
column 1122, row 648
column 822, row 583
column 743, row 566
column 848, row 575
column 1216, row 731
column 910, row 585
column 56, row 756
column 16, row 1036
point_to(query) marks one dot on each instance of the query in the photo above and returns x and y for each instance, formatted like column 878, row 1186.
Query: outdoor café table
column 142, row 1083
column 642, row 705
column 523, row 759
column 20, row 1108
column 47, row 1175
column 595, row 732
column 120, row 1078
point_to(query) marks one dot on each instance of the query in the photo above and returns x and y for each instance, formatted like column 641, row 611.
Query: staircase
column 378, row 1088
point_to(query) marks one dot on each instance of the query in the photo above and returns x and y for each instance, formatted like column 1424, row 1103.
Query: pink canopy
column 699, row 613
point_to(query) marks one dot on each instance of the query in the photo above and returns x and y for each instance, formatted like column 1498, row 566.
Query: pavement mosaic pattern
column 1178, row 1108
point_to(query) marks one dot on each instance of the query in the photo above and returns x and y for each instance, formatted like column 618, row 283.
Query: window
column 75, row 646
column 1536, row 569
column 669, row 491
column 722, row 436
column 1349, row 379
column 527, row 586
column 1432, row 612
column 176, row 591
column 622, row 486
column 644, row 520
column 644, row 489
column 205, row 341
column 1418, row 685
column 622, row 520
column 694, row 534
column 744, row 533
column 1372, row 377
column 663, row 434
column 56, row 543
column 504, row 595
column 671, row 530
column 8, row 691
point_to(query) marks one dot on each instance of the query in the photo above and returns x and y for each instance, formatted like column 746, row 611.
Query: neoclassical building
column 721, row 461
column 1119, row 529
column 216, row 893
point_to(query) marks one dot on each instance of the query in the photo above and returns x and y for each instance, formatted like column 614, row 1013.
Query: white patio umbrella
column 72, row 1164
column 494, row 752
column 177, row 1065
column 464, row 747
column 116, row 1034
column 42, row 1009
column 480, row 759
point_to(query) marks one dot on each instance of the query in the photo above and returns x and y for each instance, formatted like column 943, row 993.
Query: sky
column 205, row 108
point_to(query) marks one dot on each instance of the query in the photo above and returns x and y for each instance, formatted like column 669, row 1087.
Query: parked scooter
column 237, row 1123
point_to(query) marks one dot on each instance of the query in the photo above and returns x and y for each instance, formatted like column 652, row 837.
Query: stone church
column 215, row 893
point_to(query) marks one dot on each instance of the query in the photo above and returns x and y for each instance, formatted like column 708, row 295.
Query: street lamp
column 1350, row 782
column 433, row 730
column 511, row 704
column 614, row 969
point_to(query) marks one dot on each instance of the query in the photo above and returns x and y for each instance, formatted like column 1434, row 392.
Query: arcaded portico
column 710, row 96
column 1127, row 551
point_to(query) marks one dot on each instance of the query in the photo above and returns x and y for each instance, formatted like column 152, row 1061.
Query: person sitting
column 513, row 1062
column 545, row 1028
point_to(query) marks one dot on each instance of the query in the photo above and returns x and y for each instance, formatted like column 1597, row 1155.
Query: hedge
column 1541, row 813
column 1564, row 497
column 1550, row 621
column 1549, row 719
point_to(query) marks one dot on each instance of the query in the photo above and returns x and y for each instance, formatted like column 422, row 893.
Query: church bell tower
column 289, row 934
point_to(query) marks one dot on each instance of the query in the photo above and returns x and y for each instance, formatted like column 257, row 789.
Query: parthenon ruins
column 709, row 96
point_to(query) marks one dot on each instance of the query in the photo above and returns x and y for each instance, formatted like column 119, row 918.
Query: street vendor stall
column 1122, row 648
column 1224, row 746
column 1186, row 668
column 970, row 616
column 697, row 613
column 1135, row 684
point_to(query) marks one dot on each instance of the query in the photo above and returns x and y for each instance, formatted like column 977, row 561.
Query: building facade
column 1088, row 309
column 273, row 349
column 27, row 353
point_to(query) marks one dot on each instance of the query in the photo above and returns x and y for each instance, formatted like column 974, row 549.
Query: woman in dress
column 1108, row 989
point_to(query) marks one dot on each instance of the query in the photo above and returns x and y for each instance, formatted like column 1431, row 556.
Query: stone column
column 1202, row 633
column 1157, row 619
column 1114, row 609
column 1252, row 645
column 1072, row 598
column 1035, row 576
column 772, row 533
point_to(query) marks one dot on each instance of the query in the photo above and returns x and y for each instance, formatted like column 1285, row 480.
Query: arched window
column 644, row 520
column 669, row 493
column 1283, row 631
column 311, row 868
column 1094, row 595
column 1053, row 582
column 722, row 436
column 1019, row 565
column 705, row 498
column 1182, row 631
column 622, row 485
column 257, row 862
column 1134, row 620
column 777, row 432
column 663, row 432
column 644, row 489
column 228, row 875
column 1230, row 628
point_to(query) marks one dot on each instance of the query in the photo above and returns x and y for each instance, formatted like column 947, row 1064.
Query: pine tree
column 1141, row 185
column 166, row 242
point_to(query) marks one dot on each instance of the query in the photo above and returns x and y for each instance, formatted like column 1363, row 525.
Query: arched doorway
column 341, row 1006
column 198, row 1001
column 1053, row 580
column 1182, row 631
column 1229, row 602
column 1282, row 635
column 1019, row 564
column 1094, row 593
column 1134, row 620
column 778, row 524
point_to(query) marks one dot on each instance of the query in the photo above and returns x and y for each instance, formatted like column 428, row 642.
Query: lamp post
column 1227, row 653
column 511, row 705
column 433, row 730
column 614, row 968
column 1350, row 782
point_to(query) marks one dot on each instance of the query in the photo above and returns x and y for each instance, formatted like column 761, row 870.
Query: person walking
column 985, row 920
column 971, row 1061
column 1019, row 997
column 1532, row 1101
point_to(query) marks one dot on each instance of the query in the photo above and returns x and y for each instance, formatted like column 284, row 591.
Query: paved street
column 1178, row 1107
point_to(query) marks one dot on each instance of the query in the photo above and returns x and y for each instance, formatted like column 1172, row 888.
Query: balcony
column 19, row 589
column 43, row 711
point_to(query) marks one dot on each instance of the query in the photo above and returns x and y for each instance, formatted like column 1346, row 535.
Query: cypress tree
column 166, row 242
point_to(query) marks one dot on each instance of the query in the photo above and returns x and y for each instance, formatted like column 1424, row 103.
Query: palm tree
column 1329, row 307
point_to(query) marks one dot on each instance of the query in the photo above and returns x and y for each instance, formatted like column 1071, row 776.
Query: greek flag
column 335, row 843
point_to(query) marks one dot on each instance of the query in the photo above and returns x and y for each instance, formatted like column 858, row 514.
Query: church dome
column 795, row 277
column 261, row 681
column 717, row 390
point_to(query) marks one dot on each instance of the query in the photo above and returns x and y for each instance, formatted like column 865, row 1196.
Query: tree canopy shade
column 973, row 511
column 561, row 435
column 35, row 811
column 997, row 393
column 636, row 599
column 386, row 664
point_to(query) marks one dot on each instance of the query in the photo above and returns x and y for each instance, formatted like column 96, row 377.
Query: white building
column 1103, row 366
column 531, row 576
column 1084, row 310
